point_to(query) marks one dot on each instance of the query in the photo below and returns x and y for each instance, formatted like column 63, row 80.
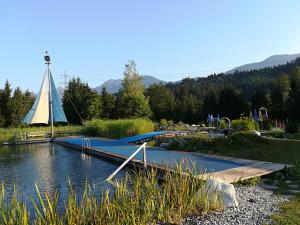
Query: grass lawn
column 290, row 213
column 267, row 149
column 274, row 150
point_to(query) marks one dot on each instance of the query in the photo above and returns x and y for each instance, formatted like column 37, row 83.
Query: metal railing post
column 144, row 156
column 143, row 146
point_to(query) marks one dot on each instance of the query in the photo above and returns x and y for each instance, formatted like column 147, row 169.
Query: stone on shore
column 224, row 189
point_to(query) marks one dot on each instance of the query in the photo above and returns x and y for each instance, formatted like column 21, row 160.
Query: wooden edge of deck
column 246, row 172
column 33, row 141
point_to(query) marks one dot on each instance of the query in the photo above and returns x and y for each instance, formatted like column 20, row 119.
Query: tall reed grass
column 8, row 134
column 137, row 199
column 117, row 128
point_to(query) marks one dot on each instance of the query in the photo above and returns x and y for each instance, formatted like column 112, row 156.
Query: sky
column 168, row 39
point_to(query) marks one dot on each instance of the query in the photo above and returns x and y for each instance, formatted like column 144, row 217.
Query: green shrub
column 117, row 128
column 292, row 127
column 245, row 124
column 170, row 122
column 195, row 143
column 267, row 124
column 244, row 138
column 163, row 122
column 223, row 124
column 204, row 143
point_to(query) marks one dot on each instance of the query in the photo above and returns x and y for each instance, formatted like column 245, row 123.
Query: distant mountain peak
column 114, row 85
column 271, row 61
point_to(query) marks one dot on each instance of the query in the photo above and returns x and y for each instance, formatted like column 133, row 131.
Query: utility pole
column 48, row 62
column 65, row 77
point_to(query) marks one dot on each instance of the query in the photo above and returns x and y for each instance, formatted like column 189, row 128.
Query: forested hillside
column 268, row 87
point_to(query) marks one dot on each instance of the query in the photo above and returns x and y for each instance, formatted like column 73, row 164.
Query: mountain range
column 271, row 61
column 114, row 85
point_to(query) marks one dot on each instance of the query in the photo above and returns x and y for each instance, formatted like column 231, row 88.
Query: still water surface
column 50, row 166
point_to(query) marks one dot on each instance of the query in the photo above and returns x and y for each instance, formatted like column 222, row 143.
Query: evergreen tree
column 279, row 96
column 260, row 99
column 161, row 101
column 277, row 108
column 5, row 105
column 80, row 103
column 293, row 102
column 191, row 109
column 232, row 104
column 131, row 101
column 17, row 105
column 284, row 85
column 108, row 104
column 210, row 104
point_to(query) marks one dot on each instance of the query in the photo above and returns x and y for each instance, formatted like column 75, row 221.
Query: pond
column 50, row 166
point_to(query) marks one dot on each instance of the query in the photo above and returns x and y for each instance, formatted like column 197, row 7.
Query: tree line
column 14, row 105
column 190, row 100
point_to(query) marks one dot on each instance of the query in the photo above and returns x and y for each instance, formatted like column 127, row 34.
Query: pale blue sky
column 169, row 39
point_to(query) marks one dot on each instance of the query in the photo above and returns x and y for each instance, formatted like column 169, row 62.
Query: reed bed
column 138, row 199
column 8, row 134
column 117, row 128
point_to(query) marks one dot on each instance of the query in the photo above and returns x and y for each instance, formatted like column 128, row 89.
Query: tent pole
column 48, row 62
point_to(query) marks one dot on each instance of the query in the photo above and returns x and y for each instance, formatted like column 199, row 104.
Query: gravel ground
column 255, row 207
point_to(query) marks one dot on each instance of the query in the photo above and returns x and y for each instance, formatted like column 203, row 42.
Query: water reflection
column 50, row 166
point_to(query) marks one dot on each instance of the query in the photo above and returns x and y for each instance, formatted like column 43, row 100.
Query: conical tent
column 40, row 111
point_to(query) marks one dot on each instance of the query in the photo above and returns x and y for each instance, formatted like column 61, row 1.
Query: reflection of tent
column 47, row 107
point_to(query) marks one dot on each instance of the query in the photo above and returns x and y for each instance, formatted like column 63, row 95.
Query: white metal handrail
column 142, row 147
column 85, row 143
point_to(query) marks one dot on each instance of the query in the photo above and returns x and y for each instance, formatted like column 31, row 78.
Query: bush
column 204, row 143
column 163, row 122
column 245, row 124
column 223, row 124
column 292, row 127
column 195, row 143
column 117, row 128
column 267, row 124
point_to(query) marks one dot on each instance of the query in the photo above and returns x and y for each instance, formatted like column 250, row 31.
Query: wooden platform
column 24, row 142
column 255, row 169
column 249, row 168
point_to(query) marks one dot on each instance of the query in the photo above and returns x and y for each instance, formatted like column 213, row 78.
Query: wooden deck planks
column 246, row 172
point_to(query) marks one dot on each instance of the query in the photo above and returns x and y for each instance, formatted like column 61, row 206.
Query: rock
column 256, row 133
column 224, row 189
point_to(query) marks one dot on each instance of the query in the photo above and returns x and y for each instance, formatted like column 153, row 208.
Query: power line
column 66, row 79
